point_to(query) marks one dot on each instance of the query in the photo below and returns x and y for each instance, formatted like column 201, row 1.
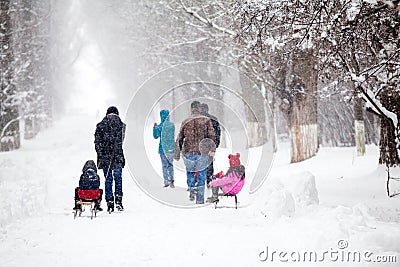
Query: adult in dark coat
column 217, row 131
column 109, row 136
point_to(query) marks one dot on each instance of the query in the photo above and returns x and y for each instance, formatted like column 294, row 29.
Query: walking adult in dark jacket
column 109, row 136
column 217, row 131
column 194, row 134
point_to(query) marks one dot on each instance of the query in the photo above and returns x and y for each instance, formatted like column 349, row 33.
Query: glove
column 220, row 174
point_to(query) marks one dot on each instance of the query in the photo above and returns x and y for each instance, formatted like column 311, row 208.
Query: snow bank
column 280, row 203
column 303, row 188
column 357, row 227
column 277, row 201
column 22, row 187
column 282, row 197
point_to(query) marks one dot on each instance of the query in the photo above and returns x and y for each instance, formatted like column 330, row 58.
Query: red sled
column 89, row 194
column 87, row 198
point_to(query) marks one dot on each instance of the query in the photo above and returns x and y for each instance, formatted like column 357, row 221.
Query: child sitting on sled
column 230, row 183
column 89, row 184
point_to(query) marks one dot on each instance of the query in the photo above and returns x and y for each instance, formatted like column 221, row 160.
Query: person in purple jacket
column 232, row 182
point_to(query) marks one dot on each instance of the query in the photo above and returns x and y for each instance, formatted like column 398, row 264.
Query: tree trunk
column 272, row 121
column 372, row 128
column 360, row 137
column 303, row 133
column 255, row 113
column 387, row 144
column 9, row 127
column 359, row 125
column 302, row 117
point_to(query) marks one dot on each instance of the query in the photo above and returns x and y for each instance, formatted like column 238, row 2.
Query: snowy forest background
column 328, row 69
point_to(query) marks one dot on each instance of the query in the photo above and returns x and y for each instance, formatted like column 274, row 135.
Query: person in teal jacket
column 166, row 132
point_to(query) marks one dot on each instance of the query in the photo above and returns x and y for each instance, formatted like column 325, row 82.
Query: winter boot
column 110, row 204
column 119, row 207
column 118, row 201
column 171, row 184
column 192, row 194
column 98, row 201
column 97, row 206
column 214, row 196
column 200, row 195
column 76, row 198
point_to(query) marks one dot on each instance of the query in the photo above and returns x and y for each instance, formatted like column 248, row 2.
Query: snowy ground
column 303, row 207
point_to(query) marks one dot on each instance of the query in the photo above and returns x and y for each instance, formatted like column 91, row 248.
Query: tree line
column 25, row 103
column 329, row 70
column 326, row 66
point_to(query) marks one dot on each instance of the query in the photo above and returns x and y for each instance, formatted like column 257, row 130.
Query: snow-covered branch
column 205, row 20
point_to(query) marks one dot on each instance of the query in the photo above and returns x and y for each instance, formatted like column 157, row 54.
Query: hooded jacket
column 109, row 136
column 166, row 132
column 89, row 179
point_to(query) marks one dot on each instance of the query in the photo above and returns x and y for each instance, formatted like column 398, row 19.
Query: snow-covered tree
column 294, row 43
column 31, row 63
column 365, row 41
column 24, row 69
column 289, row 47
column 279, row 43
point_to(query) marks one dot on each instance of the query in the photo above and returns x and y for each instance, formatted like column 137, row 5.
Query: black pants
column 210, row 169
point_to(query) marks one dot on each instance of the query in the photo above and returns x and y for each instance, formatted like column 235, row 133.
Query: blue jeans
column 196, row 162
column 167, row 167
column 115, row 175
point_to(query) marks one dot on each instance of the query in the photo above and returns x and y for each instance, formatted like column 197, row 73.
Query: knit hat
column 112, row 110
column 204, row 107
column 195, row 105
column 234, row 160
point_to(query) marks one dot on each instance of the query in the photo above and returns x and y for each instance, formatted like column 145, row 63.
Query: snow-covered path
column 148, row 233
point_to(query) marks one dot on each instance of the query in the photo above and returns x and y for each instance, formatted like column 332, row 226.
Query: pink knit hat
column 234, row 160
